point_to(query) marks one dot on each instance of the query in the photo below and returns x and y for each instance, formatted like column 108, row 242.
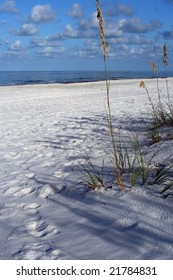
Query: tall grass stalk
column 155, row 136
column 155, row 72
column 142, row 84
column 104, row 46
column 165, row 63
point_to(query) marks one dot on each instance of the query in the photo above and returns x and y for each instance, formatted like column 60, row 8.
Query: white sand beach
column 45, row 131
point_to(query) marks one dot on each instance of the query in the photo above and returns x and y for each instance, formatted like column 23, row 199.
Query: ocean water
column 46, row 77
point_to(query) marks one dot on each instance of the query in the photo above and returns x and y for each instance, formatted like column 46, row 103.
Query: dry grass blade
column 162, row 174
column 167, row 188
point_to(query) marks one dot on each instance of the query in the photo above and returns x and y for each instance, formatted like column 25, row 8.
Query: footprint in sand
column 31, row 208
column 46, row 191
column 126, row 224
column 37, row 251
column 19, row 192
column 56, row 254
column 30, row 175
column 59, row 174
column 40, row 228
column 10, row 155
column 36, row 226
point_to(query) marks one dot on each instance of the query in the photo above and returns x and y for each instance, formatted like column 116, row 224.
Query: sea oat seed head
column 165, row 55
column 142, row 84
column 153, row 65
column 102, row 32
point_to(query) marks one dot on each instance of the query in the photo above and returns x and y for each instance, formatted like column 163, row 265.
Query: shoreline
column 73, row 77
column 87, row 82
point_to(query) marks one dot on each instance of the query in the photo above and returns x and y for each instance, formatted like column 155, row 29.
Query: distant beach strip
column 8, row 78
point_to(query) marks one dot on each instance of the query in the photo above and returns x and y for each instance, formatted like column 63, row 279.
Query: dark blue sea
column 46, row 77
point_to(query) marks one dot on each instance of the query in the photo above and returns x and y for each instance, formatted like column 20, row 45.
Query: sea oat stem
column 165, row 62
column 110, row 125
column 153, row 65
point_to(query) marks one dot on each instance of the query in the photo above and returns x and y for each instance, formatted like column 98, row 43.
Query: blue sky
column 64, row 34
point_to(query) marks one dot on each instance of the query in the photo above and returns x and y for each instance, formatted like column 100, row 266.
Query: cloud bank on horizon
column 64, row 35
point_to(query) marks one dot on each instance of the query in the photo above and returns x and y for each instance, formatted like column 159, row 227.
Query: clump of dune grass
column 92, row 177
column 134, row 167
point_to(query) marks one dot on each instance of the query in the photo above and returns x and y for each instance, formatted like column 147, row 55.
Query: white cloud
column 41, row 13
column 130, row 40
column 121, row 9
column 44, row 42
column 87, row 27
column 8, row 6
column 88, row 23
column 15, row 50
column 47, row 51
column 27, row 29
column 90, row 50
column 113, row 31
column 125, row 9
column 17, row 45
column 93, row 21
column 50, row 51
column 135, row 25
column 69, row 31
column 75, row 11
column 5, row 41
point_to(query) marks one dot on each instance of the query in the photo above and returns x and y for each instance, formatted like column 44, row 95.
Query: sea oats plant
column 93, row 176
column 104, row 46
column 162, row 113
column 128, row 161
column 162, row 116
column 165, row 114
